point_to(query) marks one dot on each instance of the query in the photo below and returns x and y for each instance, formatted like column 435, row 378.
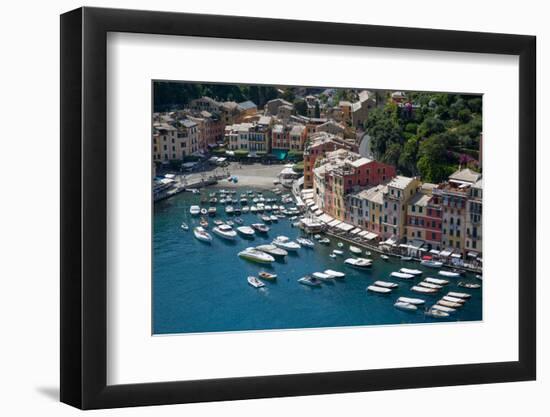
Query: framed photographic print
column 257, row 208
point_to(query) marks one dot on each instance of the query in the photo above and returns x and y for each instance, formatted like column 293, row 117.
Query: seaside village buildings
column 342, row 186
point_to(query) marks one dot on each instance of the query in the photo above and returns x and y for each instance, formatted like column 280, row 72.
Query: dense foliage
column 174, row 95
column 430, row 138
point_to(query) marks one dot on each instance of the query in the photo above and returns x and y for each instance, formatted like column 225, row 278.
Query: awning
column 314, row 207
column 334, row 223
column 435, row 252
column 325, row 218
column 310, row 203
column 473, row 254
column 346, row 227
column 456, row 255
column 445, row 253
column 318, row 212
column 363, row 233
column 371, row 236
column 355, row 231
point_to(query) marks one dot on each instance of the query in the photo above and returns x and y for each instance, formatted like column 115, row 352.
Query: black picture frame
column 84, row 207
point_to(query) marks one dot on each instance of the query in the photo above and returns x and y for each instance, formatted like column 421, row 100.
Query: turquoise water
column 203, row 288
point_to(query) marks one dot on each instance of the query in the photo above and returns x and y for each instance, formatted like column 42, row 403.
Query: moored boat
column 443, row 308
column 406, row 258
column 430, row 285
column 436, row 313
column 415, row 301
column 355, row 250
column 225, row 231
column 273, row 250
column 322, row 276
column 405, row 306
column 385, row 257
column 470, row 285
column 255, row 282
column 379, row 290
column 203, row 222
column 212, row 211
column 285, row 243
column 423, row 290
column 338, row 252
column 449, row 274
column 411, row 271
column 401, row 275
column 324, row 241
column 194, row 210
column 453, row 299
column 386, row 284
column 334, row 274
column 310, row 281
column 305, row 242
column 431, row 264
column 436, row 281
column 260, row 227
column 267, row 275
column 229, row 209
column 458, row 294
column 202, row 234
column 450, row 304
column 359, row 263
column 246, row 231
column 255, row 255
column 184, row 226
column 204, row 211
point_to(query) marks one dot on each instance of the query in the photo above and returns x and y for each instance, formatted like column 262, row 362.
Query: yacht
column 246, row 231
column 322, row 276
column 310, row 281
column 273, row 250
column 260, row 227
column 202, row 234
column 285, row 243
column 334, row 274
column 225, row 231
column 204, row 211
column 359, row 263
column 305, row 242
column 385, row 257
column 254, row 255
column 324, row 241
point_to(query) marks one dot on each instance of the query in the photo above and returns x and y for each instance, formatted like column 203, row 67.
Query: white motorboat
column 324, row 241
column 405, row 306
column 268, row 207
column 443, row 308
column 406, row 258
column 255, row 282
column 229, row 209
column 449, row 274
column 386, row 284
column 436, row 313
column 430, row 285
column 453, row 299
column 225, row 231
column 260, row 227
column 458, row 294
column 273, row 250
column 267, row 275
column 479, row 277
column 285, row 243
column 385, row 257
column 415, row 301
column 305, row 242
column 246, row 231
column 470, row 285
column 317, row 237
column 253, row 209
column 431, row 264
column 202, row 234
column 380, row 290
column 450, row 304
column 411, row 271
column 436, row 281
column 310, row 281
column 255, row 255
column 212, row 211
column 338, row 252
column 322, row 276
column 245, row 209
column 355, row 250
column 218, row 222
column 359, row 263
column 274, row 218
column 423, row 290
column 334, row 274
column 401, row 275
column 265, row 219
column 184, row 226
column 194, row 210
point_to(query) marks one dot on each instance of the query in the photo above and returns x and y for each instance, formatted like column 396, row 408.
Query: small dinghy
column 184, row 226
column 355, row 250
column 449, row 274
column 405, row 306
column 384, row 257
column 204, row 223
column 255, row 282
column 437, row 313
column 317, row 237
column 430, row 285
column 332, row 255
column 458, row 294
column 218, row 222
column 411, row 271
column 266, row 219
column 453, row 299
column 267, row 275
column 423, row 290
column 415, row 301
column 379, row 290
column 450, row 304
column 443, row 308
column 309, row 281
column 322, row 276
column 338, row 252
column 340, row 245
column 436, row 281
column 305, row 242
column 401, row 275
column 334, row 274
column 470, row 285
column 386, row 284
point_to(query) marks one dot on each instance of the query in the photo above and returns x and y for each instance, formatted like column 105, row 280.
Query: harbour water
column 200, row 287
